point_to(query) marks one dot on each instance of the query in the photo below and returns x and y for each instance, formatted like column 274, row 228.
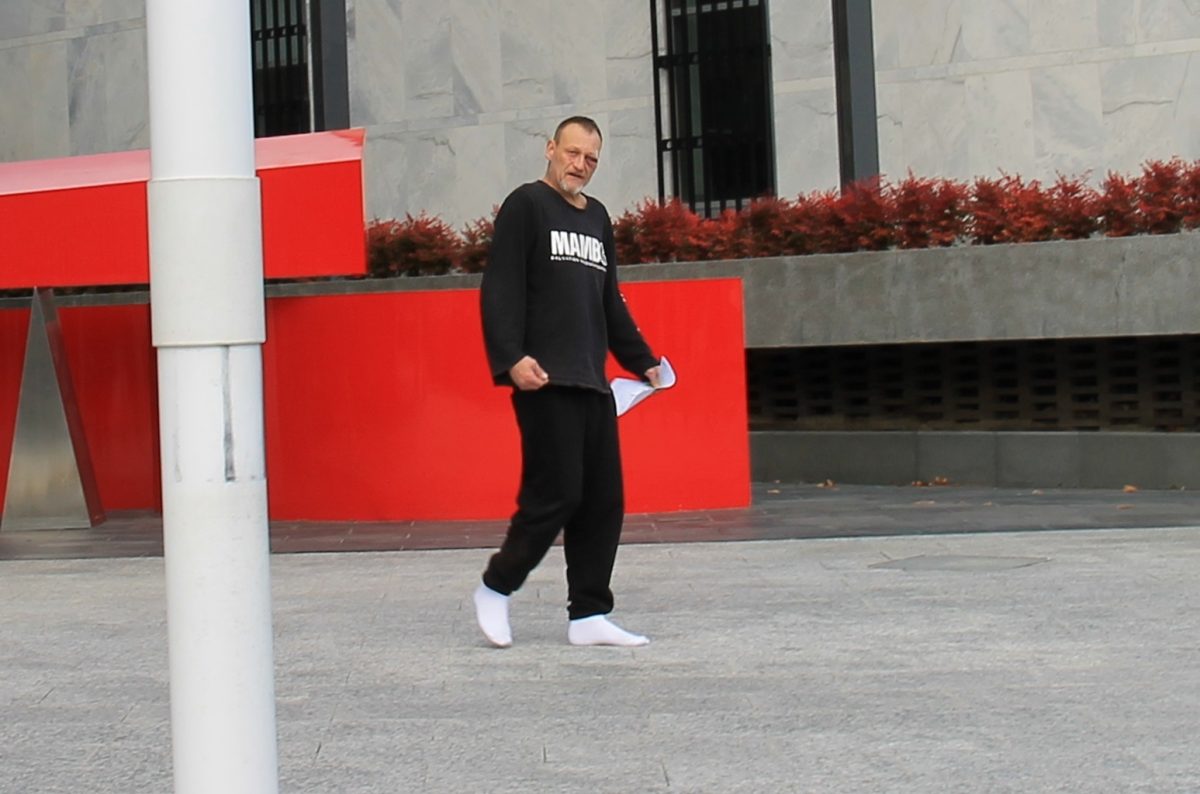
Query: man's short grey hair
column 583, row 121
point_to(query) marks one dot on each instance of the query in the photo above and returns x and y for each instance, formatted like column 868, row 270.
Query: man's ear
column 550, row 149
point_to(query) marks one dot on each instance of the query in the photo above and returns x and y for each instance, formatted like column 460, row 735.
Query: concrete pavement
column 1023, row 662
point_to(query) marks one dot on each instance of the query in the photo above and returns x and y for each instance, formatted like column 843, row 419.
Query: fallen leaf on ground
column 919, row 483
column 941, row 480
column 827, row 484
column 1124, row 507
column 772, row 490
column 1037, row 492
column 924, row 503
column 1130, row 489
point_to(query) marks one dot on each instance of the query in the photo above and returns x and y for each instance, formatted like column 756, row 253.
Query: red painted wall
column 93, row 235
column 114, row 370
column 112, row 366
column 379, row 406
column 13, row 326
column 79, row 221
column 419, row 432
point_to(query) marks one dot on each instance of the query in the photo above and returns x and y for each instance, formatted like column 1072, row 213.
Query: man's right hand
column 528, row 375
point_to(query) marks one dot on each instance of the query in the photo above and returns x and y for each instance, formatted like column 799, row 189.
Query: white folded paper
column 628, row 392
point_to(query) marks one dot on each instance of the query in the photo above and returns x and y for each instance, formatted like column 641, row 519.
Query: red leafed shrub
column 657, row 233
column 1009, row 210
column 722, row 237
column 828, row 222
column 1189, row 189
column 477, row 241
column 1031, row 220
column 1073, row 209
column 673, row 233
column 865, row 212
column 625, row 237
column 412, row 247
column 929, row 212
column 1117, row 206
column 764, row 228
column 379, row 238
column 817, row 224
column 987, row 223
column 1159, row 200
column 872, row 215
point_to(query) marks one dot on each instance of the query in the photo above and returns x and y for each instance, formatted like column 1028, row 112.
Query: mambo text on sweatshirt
column 577, row 247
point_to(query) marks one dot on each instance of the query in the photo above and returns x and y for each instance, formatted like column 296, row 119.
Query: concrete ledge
column 1010, row 459
column 1131, row 286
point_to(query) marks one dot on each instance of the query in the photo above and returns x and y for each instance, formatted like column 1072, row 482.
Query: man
column 551, row 311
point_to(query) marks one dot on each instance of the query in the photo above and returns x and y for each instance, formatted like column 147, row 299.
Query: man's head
column 573, row 154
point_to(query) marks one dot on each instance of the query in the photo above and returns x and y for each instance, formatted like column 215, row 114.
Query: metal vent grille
column 1126, row 383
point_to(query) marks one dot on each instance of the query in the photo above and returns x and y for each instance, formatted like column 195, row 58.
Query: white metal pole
column 206, row 301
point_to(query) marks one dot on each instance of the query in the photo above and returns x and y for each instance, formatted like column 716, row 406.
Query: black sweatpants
column 570, row 481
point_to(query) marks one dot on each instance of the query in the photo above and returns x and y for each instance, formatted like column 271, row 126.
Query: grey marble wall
column 804, row 98
column 72, row 77
column 1036, row 87
column 459, row 97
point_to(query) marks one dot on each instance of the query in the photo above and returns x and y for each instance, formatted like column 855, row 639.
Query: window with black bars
column 282, row 84
column 712, row 102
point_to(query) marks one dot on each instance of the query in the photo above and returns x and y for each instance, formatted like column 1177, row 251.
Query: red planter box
column 379, row 406
column 81, row 221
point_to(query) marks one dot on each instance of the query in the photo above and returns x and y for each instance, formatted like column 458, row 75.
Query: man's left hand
column 652, row 375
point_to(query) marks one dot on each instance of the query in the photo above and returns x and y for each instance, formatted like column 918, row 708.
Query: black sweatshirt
column 550, row 291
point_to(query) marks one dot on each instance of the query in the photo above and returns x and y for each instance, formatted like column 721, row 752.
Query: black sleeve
column 624, row 339
column 502, row 292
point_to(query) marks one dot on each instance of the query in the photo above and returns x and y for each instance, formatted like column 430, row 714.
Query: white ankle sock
column 599, row 630
column 491, row 612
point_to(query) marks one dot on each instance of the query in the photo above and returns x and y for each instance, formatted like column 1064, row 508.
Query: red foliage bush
column 1072, row 209
column 1117, row 206
column 1009, row 210
column 865, row 213
column 765, row 228
column 379, row 238
column 816, row 225
column 987, row 222
column 720, row 238
column 477, row 241
column 1159, row 200
column 662, row 233
column 625, row 237
column 420, row 246
column 914, row 213
column 929, row 212
column 1189, row 190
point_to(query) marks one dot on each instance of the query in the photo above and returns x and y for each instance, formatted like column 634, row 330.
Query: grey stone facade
column 457, row 95
column 1036, row 88
column 72, row 78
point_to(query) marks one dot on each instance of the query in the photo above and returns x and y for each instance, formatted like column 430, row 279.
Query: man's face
column 572, row 159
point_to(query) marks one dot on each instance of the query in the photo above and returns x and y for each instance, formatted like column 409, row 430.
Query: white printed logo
column 575, row 247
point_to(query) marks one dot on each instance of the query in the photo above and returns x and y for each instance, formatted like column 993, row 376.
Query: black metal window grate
column 1120, row 383
column 712, row 99
column 282, row 87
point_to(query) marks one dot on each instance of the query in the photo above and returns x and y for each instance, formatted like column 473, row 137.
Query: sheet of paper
column 628, row 392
